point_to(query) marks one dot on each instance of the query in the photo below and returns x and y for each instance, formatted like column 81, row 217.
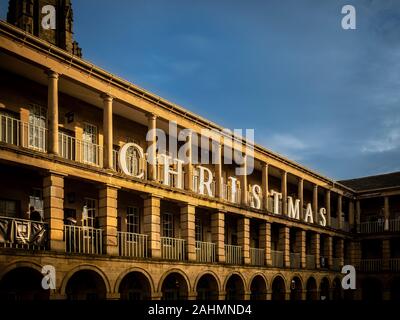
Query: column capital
column 106, row 96
column 52, row 74
column 151, row 116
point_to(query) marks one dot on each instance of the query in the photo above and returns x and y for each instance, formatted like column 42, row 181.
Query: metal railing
column 172, row 248
column 277, row 258
column 295, row 260
column 233, row 254
column 257, row 257
column 346, row 226
column 371, row 265
column 336, row 264
column 80, row 151
column 394, row 264
column 16, row 132
column 334, row 223
column 394, row 225
column 372, row 226
column 205, row 252
column 132, row 245
column 310, row 261
column 85, row 240
column 23, row 234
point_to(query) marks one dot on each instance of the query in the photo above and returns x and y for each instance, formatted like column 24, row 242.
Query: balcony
column 371, row 265
column 205, row 252
column 172, row 248
column 132, row 245
column 73, row 149
column 22, row 134
column 277, row 258
column 295, row 260
column 394, row 264
column 310, row 261
column 23, row 234
column 336, row 264
column 233, row 254
column 394, row 225
column 86, row 240
column 372, row 226
column 257, row 257
column 334, row 223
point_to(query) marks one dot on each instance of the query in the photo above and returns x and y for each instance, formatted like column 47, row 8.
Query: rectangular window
column 89, row 212
column 198, row 230
column 133, row 220
column 36, row 200
column 8, row 208
column 168, row 225
column 37, row 127
column 89, row 142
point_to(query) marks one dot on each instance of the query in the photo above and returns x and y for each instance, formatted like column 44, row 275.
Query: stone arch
column 258, row 291
column 296, row 287
column 336, row 289
column 311, row 289
column 324, row 289
column 278, row 287
column 231, row 293
column 207, row 293
column 83, row 267
column 130, row 270
column 372, row 289
column 177, row 292
column 22, row 281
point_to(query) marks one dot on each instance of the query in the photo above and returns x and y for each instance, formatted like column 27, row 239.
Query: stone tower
column 27, row 15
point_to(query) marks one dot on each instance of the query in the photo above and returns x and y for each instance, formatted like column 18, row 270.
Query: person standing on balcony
column 34, row 215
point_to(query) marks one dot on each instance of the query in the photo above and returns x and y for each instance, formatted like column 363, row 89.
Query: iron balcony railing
column 205, row 252
column 277, row 258
column 371, row 265
column 372, row 226
column 81, row 239
column 172, row 248
column 23, row 234
column 22, row 134
column 295, row 260
column 80, row 151
column 233, row 254
column 310, row 261
column 132, row 245
column 257, row 256
column 394, row 225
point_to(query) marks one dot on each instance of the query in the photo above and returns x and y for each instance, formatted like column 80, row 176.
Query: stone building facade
column 111, row 234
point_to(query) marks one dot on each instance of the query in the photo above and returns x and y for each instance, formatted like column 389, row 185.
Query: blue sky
column 323, row 96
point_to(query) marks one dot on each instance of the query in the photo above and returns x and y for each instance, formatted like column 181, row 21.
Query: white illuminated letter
column 322, row 213
column 349, row 280
column 205, row 185
column 293, row 209
column 277, row 196
column 123, row 157
column 167, row 171
column 309, row 214
column 49, row 20
column 256, row 191
column 233, row 188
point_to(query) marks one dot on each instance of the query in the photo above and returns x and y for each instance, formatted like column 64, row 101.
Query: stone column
column 351, row 214
column 284, row 245
column 108, row 218
column 355, row 253
column 340, row 251
column 358, row 215
column 284, row 191
column 53, row 205
column 151, row 225
column 218, row 234
column 243, row 183
column 265, row 241
column 315, row 250
column 300, row 191
column 189, row 165
column 329, row 250
column 265, row 186
column 218, row 172
column 385, row 254
column 315, row 203
column 328, row 207
column 151, row 147
column 386, row 212
column 188, row 230
column 340, row 211
column 244, row 238
column 301, row 247
column 52, row 107
column 107, row 131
